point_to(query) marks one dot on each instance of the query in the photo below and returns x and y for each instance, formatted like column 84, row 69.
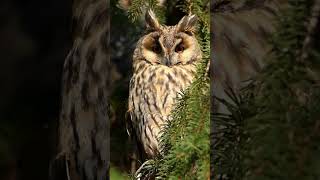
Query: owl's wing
column 241, row 30
column 130, row 119
column 128, row 123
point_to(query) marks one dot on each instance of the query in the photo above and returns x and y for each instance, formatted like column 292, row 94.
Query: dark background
column 35, row 37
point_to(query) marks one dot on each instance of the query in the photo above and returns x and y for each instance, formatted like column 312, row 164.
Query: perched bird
column 164, row 65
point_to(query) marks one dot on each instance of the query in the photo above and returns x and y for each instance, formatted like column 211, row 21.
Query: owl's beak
column 167, row 62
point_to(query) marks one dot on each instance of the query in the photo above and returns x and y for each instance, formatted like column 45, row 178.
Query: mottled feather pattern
column 164, row 65
column 153, row 92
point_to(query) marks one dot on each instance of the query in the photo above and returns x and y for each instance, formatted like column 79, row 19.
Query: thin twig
column 207, row 69
column 189, row 7
column 67, row 168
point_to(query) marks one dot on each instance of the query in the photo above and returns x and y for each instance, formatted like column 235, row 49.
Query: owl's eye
column 179, row 48
column 156, row 48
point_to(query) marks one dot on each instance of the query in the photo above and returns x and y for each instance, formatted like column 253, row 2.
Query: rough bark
column 83, row 129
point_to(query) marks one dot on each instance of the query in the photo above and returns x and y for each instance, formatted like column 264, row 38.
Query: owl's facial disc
column 182, row 51
column 169, row 49
column 170, row 45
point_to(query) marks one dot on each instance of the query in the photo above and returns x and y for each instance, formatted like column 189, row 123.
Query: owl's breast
column 152, row 96
column 155, row 88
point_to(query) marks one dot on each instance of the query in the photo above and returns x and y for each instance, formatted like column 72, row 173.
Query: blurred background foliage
column 124, row 35
column 116, row 174
column 272, row 130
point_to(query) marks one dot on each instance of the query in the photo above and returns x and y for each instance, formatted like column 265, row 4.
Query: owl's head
column 170, row 45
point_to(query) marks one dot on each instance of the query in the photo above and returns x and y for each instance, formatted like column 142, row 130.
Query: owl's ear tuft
column 187, row 24
column 152, row 21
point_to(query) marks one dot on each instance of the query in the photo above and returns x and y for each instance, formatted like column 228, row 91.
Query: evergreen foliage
column 284, row 128
column 186, row 137
column 274, row 126
column 228, row 137
column 138, row 7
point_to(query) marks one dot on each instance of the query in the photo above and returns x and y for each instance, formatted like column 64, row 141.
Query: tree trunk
column 83, row 129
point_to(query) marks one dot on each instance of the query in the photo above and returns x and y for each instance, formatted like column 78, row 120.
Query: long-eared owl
column 164, row 64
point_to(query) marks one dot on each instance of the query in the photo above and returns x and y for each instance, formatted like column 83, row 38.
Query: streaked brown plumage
column 164, row 64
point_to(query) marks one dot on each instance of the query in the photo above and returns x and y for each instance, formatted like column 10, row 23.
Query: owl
column 164, row 65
